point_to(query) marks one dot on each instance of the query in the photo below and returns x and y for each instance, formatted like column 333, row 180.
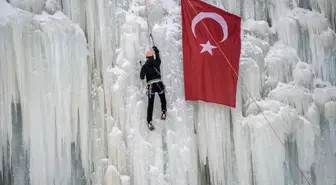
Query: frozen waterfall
column 73, row 110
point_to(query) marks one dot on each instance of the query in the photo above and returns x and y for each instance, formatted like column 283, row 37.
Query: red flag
column 211, row 52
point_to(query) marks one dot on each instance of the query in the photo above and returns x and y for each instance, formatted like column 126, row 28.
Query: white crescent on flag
column 202, row 15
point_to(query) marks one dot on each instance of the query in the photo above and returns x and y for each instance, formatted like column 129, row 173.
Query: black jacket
column 151, row 69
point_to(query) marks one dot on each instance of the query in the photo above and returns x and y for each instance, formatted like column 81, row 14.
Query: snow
column 73, row 109
column 6, row 11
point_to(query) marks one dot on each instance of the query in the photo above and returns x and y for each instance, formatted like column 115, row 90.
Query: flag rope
column 255, row 101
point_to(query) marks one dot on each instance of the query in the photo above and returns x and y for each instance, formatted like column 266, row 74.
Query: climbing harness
column 164, row 88
column 150, row 84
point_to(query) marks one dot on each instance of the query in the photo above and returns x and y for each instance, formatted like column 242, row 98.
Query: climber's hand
column 155, row 49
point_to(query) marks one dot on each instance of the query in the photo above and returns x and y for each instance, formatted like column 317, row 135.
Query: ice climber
column 151, row 69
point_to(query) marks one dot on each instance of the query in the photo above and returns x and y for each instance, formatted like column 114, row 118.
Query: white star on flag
column 207, row 47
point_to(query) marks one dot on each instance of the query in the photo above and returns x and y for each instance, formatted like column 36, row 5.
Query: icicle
column 309, row 34
column 46, row 76
column 327, row 8
column 296, row 96
column 112, row 176
column 280, row 62
column 304, row 75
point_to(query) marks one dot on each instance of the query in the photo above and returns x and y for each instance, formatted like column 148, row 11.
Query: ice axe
column 150, row 35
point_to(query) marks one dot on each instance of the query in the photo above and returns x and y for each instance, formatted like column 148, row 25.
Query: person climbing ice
column 151, row 69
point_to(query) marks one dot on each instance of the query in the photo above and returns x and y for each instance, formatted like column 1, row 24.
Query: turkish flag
column 211, row 52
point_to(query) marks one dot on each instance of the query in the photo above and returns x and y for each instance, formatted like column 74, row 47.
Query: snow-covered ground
column 73, row 110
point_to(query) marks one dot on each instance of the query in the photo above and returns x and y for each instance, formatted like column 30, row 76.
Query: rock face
column 73, row 111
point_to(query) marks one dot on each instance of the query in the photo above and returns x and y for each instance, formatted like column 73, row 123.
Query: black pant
column 152, row 89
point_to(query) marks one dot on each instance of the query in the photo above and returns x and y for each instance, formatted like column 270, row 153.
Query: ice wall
column 75, row 110
column 44, row 99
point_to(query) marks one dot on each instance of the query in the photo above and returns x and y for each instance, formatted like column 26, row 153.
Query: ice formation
column 72, row 106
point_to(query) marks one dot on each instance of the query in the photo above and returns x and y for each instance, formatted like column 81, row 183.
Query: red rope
column 149, row 31
column 253, row 98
